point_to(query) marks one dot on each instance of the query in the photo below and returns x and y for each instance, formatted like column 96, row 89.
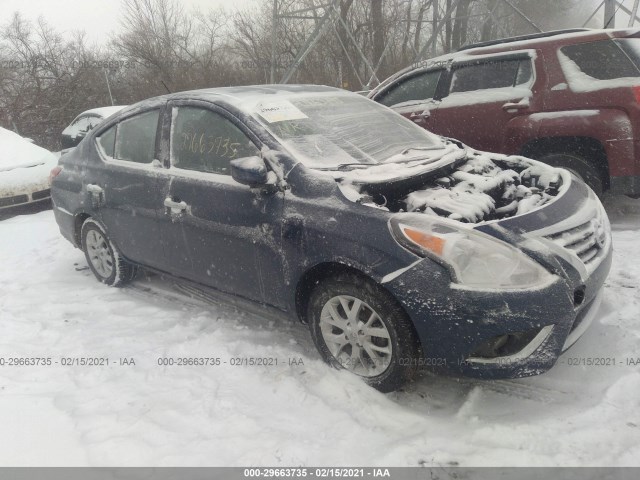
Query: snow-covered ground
column 51, row 307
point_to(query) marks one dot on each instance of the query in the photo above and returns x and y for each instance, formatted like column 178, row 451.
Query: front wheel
column 358, row 326
column 579, row 166
column 104, row 259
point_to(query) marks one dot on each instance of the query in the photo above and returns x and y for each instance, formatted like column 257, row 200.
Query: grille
column 41, row 194
column 585, row 241
column 16, row 200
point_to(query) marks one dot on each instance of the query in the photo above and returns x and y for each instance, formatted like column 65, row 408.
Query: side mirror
column 249, row 171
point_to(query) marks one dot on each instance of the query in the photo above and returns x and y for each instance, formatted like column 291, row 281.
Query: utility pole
column 634, row 13
column 108, row 86
column 610, row 13
column 274, row 36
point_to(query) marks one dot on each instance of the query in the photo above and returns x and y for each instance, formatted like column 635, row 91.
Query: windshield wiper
column 346, row 167
column 407, row 150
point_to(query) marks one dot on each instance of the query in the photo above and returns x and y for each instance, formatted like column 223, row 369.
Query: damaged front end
column 525, row 248
column 476, row 188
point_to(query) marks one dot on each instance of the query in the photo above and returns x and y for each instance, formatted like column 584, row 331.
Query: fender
column 612, row 128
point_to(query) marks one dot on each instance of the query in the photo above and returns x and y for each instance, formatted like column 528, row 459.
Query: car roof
column 559, row 37
column 103, row 112
column 242, row 98
column 238, row 96
column 506, row 45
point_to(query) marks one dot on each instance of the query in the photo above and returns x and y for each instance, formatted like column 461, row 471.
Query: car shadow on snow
column 28, row 209
column 564, row 386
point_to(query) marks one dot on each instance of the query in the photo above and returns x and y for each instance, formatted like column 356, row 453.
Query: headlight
column 474, row 258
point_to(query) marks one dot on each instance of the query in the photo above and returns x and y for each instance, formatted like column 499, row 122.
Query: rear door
column 414, row 96
column 220, row 233
column 484, row 95
column 125, row 189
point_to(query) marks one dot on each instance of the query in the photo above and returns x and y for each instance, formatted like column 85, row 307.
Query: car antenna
column 165, row 86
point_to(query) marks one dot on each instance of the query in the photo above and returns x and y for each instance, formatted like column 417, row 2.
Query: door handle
column 174, row 207
column 95, row 189
column 515, row 106
column 420, row 117
column 97, row 195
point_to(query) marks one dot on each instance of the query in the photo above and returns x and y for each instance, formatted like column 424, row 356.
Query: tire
column 333, row 307
column 579, row 166
column 104, row 259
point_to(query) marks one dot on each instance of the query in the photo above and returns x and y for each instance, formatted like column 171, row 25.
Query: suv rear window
column 487, row 75
column 606, row 59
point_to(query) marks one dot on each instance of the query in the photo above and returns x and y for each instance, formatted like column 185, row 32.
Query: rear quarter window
column 607, row 59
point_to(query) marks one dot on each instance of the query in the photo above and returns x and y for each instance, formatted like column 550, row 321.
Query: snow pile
column 16, row 152
column 24, row 167
column 284, row 415
column 505, row 94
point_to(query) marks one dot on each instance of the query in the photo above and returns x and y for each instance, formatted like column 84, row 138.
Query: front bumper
column 22, row 186
column 26, row 198
column 453, row 323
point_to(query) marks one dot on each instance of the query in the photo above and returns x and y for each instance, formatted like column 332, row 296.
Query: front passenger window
column 419, row 87
column 205, row 141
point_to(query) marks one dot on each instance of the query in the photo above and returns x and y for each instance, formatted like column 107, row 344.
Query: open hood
column 474, row 187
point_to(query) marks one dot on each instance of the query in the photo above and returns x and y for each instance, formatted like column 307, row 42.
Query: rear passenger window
column 205, row 141
column 496, row 74
column 419, row 87
column 136, row 138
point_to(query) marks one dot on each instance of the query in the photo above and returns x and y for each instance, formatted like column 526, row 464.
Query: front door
column 222, row 234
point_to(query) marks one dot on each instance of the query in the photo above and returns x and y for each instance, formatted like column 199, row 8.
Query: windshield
column 332, row 130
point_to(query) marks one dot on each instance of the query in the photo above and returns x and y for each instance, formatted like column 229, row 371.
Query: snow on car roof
column 240, row 97
column 476, row 53
column 16, row 152
column 103, row 112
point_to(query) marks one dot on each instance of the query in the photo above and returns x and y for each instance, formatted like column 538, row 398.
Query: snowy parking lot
column 131, row 409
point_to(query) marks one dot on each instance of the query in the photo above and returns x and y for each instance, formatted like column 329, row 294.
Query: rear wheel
column 578, row 165
column 358, row 326
column 104, row 259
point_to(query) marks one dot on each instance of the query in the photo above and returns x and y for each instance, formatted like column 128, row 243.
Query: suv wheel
column 104, row 259
column 358, row 326
column 579, row 166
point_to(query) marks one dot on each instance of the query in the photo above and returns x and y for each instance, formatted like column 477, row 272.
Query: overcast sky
column 98, row 18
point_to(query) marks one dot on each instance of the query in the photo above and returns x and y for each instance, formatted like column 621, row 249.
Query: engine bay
column 478, row 188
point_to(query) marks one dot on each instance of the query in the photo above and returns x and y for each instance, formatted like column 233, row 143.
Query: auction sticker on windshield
column 280, row 112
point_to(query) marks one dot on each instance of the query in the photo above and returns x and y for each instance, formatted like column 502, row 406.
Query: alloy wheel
column 356, row 335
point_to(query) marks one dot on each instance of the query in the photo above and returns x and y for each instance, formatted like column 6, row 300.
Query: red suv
column 569, row 98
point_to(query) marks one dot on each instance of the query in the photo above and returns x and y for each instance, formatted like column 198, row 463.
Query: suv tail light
column 54, row 173
column 636, row 93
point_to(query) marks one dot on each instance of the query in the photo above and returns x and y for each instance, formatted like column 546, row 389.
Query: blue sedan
column 400, row 249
